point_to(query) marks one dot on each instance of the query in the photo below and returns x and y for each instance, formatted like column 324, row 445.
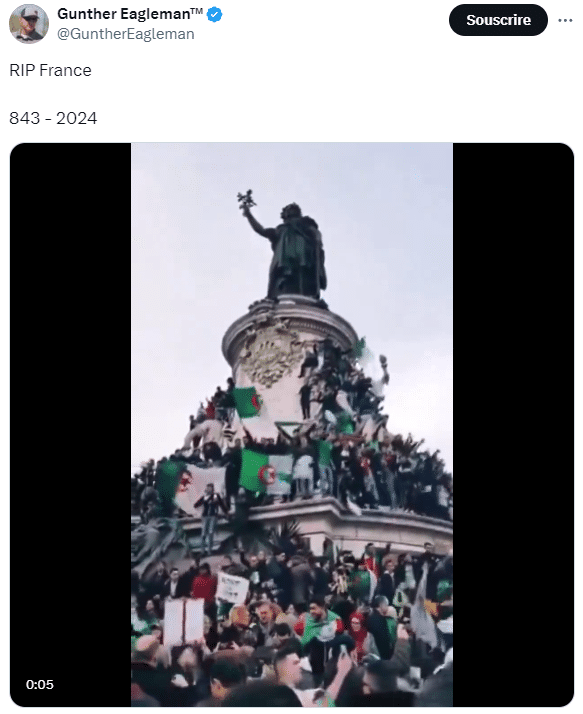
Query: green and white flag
column 362, row 353
column 266, row 473
column 168, row 478
column 247, row 402
column 253, row 414
column 370, row 365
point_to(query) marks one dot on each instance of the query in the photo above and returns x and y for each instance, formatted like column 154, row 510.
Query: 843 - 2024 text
column 60, row 118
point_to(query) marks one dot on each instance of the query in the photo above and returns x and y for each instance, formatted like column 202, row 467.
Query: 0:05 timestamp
column 39, row 683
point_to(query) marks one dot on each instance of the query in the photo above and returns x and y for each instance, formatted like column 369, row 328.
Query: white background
column 301, row 71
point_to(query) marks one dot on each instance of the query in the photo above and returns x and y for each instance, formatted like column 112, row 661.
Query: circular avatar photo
column 29, row 24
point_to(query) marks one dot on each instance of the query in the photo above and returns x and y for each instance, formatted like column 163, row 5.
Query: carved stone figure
column 271, row 349
column 297, row 266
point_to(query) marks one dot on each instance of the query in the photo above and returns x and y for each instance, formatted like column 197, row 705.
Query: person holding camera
column 288, row 671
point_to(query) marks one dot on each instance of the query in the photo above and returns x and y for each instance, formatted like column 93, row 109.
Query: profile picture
column 29, row 24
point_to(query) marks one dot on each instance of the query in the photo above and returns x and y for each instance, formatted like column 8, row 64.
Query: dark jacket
column 141, row 699
column 344, row 608
column 399, row 574
column 167, row 593
column 444, row 569
column 301, row 583
column 155, row 584
column 384, row 699
column 321, row 586
column 399, row 667
column 376, row 624
column 152, row 680
column 211, row 504
column 284, row 584
column 260, row 569
column 176, row 696
column 386, row 586
column 233, row 459
column 437, row 690
column 210, row 702
column 418, row 562
column 185, row 582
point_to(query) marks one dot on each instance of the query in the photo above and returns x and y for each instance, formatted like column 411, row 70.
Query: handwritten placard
column 232, row 588
column 183, row 621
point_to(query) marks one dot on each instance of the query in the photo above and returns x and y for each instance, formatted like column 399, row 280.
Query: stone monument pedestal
column 326, row 518
column 266, row 348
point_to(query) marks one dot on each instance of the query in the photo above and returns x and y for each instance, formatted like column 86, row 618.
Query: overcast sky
column 385, row 213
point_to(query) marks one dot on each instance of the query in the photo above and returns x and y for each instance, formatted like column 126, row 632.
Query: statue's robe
column 297, row 265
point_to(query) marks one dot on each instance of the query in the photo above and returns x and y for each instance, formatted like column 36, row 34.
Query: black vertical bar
column 70, row 227
column 514, row 406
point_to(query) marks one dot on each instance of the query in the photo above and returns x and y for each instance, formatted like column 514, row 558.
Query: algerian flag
column 362, row 353
column 369, row 364
column 168, row 479
column 247, row 402
column 193, row 483
column 266, row 473
column 363, row 584
column 253, row 413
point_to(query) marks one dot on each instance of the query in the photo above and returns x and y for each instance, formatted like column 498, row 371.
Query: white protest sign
column 193, row 620
column 173, row 623
column 232, row 588
column 183, row 621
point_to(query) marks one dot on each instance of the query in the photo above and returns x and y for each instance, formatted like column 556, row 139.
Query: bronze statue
column 297, row 266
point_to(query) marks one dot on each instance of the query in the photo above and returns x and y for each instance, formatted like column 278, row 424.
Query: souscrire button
column 513, row 20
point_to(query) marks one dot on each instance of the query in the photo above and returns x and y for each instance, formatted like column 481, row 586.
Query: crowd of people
column 336, row 630
column 332, row 631
column 365, row 465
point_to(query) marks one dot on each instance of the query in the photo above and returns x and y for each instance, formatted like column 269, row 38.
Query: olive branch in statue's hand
column 245, row 201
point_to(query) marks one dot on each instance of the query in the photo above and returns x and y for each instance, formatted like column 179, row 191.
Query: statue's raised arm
column 269, row 233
